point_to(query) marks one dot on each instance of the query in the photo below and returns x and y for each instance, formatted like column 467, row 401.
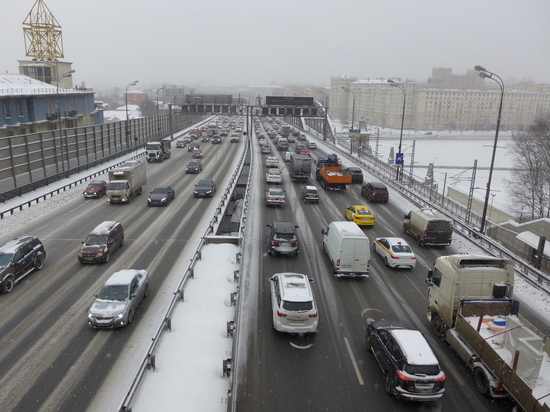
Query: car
column 224, row 132
column 275, row 197
column 375, row 192
column 95, row 189
column 180, row 144
column 161, row 196
column 282, row 239
column 272, row 161
column 18, row 258
column 286, row 156
column 356, row 174
column 293, row 303
column 303, row 152
column 291, row 139
column 410, row 368
column 205, row 139
column 262, row 141
column 310, row 194
column 302, row 137
column 101, row 243
column 187, row 139
column 216, row 140
column 300, row 146
column 116, row 303
column 311, row 145
column 192, row 146
column 395, row 252
column 205, row 188
column 193, row 166
column 274, row 176
column 361, row 215
column 196, row 154
column 266, row 149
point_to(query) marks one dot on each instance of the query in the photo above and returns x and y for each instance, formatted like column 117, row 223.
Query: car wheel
column 386, row 262
column 7, row 285
column 405, row 229
column 420, row 242
column 39, row 262
column 481, row 382
column 437, row 325
column 388, row 384
column 368, row 342
column 130, row 316
column 121, row 242
column 374, row 247
column 107, row 256
column 146, row 292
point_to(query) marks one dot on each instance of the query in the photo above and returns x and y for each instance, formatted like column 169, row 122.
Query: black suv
column 281, row 239
column 356, row 174
column 18, row 258
column 411, row 370
column 375, row 192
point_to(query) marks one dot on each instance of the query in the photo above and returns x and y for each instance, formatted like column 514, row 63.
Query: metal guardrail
column 149, row 360
column 466, row 223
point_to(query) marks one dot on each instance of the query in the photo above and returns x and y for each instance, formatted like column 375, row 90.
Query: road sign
column 399, row 159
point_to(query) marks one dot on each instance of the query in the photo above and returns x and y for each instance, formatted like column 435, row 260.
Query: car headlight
column 163, row 199
column 149, row 199
column 90, row 316
column 120, row 315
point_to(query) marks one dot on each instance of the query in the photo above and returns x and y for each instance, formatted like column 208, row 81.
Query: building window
column 20, row 111
column 7, row 109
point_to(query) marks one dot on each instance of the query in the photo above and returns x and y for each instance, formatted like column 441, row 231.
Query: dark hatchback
column 356, row 174
column 411, row 370
column 161, row 196
column 375, row 192
column 216, row 140
column 193, row 166
column 205, row 188
column 18, row 258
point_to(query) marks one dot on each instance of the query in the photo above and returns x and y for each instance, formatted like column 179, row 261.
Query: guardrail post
column 179, row 294
column 227, row 368
column 168, row 324
column 239, row 257
column 233, row 298
column 151, row 363
column 230, row 328
column 236, row 275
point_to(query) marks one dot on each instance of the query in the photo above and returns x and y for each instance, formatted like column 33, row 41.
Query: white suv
column 293, row 303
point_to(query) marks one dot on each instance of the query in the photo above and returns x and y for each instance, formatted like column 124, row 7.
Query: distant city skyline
column 286, row 43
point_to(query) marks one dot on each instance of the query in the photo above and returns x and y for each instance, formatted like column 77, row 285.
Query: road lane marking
column 354, row 363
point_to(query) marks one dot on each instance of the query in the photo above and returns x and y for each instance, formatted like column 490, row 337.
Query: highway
column 51, row 359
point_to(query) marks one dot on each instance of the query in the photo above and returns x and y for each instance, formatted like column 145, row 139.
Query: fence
column 34, row 160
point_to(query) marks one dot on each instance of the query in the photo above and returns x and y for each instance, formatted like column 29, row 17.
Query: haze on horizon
column 112, row 43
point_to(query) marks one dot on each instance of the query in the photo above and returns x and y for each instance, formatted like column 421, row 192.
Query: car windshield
column 96, row 240
column 297, row 306
column 5, row 259
column 160, row 190
column 401, row 248
column 364, row 212
column 95, row 186
column 422, row 369
column 193, row 164
column 276, row 192
column 114, row 292
column 116, row 186
column 204, row 184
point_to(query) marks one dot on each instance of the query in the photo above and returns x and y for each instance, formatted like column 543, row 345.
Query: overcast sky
column 220, row 42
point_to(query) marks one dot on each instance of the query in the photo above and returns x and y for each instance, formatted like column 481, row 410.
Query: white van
column 348, row 249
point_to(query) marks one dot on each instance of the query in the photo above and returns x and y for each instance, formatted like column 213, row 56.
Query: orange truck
column 330, row 174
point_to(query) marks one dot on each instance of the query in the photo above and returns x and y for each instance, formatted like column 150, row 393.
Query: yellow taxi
column 361, row 215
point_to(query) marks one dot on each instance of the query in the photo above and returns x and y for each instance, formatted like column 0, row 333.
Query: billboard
column 288, row 101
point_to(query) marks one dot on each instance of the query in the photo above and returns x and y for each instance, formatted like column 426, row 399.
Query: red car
column 197, row 154
column 96, row 188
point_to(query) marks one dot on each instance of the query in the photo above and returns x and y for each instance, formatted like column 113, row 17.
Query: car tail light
column 414, row 257
column 395, row 257
column 442, row 379
column 313, row 315
column 280, row 314
column 274, row 242
column 338, row 263
column 404, row 377
column 499, row 390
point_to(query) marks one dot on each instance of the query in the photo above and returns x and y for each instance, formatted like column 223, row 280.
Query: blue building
column 28, row 106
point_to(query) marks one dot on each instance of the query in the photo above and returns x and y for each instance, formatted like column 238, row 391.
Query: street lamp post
column 486, row 74
column 352, row 117
column 399, row 156
column 68, row 74
column 126, row 101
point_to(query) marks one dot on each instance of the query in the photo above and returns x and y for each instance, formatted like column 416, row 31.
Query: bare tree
column 530, row 184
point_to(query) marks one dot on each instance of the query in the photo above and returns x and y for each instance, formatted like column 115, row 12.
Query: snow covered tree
column 530, row 183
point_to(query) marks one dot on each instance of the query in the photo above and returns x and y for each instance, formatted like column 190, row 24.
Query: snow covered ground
column 189, row 358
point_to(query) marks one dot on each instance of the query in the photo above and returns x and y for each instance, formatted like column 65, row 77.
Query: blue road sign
column 399, row 159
